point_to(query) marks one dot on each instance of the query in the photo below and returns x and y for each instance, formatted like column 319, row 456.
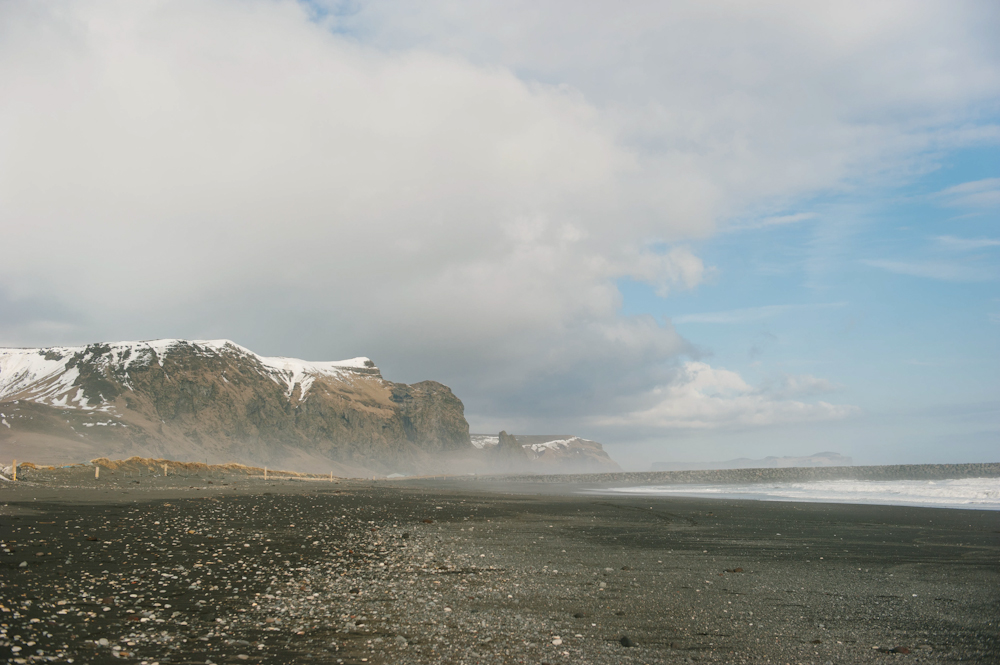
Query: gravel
column 387, row 573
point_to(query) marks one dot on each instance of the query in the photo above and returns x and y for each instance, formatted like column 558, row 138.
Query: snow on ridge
column 487, row 440
column 484, row 440
column 44, row 372
column 551, row 445
column 294, row 371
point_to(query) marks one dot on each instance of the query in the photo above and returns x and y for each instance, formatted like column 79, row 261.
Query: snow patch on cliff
column 46, row 376
column 484, row 440
column 551, row 445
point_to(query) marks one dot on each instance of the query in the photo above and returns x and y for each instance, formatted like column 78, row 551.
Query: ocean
column 967, row 493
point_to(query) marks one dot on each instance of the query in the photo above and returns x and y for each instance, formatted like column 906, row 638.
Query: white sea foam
column 971, row 493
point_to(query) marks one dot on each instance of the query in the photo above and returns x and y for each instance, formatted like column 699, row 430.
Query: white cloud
column 975, row 194
column 677, row 268
column 702, row 397
column 769, row 98
column 790, row 386
column 451, row 188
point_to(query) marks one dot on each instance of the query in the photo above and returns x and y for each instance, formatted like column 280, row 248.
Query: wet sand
column 178, row 570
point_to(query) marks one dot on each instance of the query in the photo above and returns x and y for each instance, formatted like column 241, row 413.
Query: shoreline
column 150, row 467
column 754, row 475
column 290, row 571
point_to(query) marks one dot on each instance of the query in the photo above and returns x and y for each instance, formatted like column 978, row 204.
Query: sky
column 692, row 231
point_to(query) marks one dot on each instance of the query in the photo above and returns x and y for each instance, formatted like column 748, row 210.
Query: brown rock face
column 543, row 454
column 508, row 456
column 216, row 401
column 564, row 453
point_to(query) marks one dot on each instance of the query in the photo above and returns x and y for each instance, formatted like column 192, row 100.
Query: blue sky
column 692, row 231
column 891, row 293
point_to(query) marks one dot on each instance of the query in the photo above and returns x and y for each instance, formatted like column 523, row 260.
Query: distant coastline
column 771, row 462
column 764, row 475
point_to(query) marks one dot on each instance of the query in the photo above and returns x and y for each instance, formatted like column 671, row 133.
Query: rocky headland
column 215, row 401
column 218, row 402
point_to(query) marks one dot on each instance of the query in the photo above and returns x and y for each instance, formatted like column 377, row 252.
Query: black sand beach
column 178, row 570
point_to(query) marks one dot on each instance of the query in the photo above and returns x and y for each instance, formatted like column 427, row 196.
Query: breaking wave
column 969, row 493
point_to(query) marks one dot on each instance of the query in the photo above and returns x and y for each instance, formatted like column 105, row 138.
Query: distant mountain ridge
column 217, row 401
column 545, row 453
column 770, row 462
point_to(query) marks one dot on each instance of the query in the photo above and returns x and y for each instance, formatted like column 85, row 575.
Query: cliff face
column 217, row 401
column 544, row 454
column 507, row 455
column 563, row 453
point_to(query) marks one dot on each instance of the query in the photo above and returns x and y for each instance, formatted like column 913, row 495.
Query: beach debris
column 626, row 641
column 734, row 570
column 899, row 650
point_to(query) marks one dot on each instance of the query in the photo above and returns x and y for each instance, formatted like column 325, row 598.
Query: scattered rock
column 625, row 641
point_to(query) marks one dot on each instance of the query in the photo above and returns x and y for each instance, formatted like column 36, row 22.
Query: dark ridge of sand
column 177, row 570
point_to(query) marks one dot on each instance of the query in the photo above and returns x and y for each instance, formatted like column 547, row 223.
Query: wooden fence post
column 15, row 469
column 97, row 472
